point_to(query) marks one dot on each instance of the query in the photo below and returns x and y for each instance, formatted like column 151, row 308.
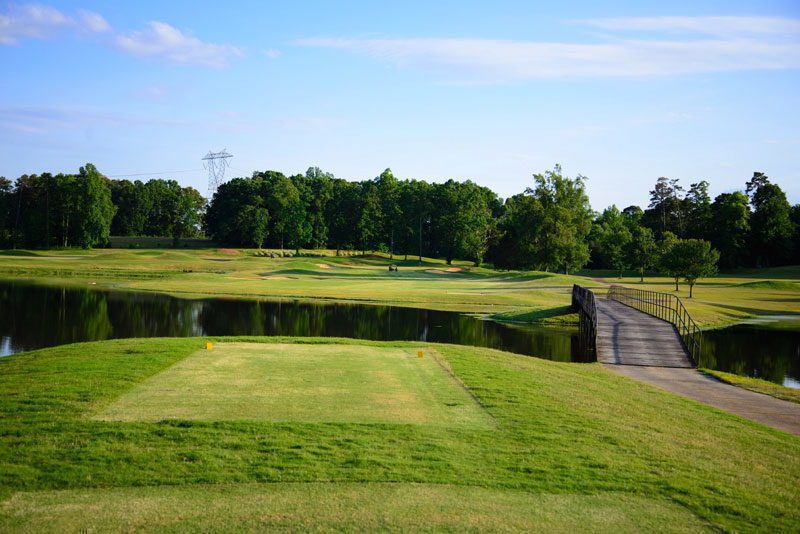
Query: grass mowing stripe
column 340, row 507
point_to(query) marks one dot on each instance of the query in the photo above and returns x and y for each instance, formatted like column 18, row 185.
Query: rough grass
column 334, row 383
column 334, row 507
column 568, row 437
column 756, row 384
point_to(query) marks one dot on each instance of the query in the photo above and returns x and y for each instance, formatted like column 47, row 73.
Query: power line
column 216, row 163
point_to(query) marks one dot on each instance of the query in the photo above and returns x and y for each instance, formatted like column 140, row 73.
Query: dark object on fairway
column 392, row 267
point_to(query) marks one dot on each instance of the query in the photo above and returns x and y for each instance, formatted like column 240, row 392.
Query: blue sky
column 621, row 92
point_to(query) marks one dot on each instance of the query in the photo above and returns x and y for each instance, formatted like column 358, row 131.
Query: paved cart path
column 769, row 411
column 626, row 336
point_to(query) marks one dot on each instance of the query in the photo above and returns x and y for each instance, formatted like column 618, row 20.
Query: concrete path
column 627, row 336
column 769, row 411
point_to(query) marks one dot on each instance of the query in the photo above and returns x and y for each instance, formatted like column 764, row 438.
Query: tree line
column 549, row 226
column 84, row 209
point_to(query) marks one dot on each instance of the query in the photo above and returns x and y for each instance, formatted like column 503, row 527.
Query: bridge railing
column 664, row 306
column 583, row 303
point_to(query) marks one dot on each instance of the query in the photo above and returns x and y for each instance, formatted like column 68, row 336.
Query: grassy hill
column 325, row 434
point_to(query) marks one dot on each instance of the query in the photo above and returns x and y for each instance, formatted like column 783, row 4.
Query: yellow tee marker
column 419, row 354
column 209, row 346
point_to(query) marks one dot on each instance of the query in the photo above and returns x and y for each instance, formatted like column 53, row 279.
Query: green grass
column 756, row 384
column 303, row 383
column 558, row 315
column 225, row 272
column 571, row 445
column 369, row 507
column 509, row 295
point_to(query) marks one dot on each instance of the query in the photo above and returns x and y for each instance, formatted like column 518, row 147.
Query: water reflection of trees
column 36, row 316
column 748, row 351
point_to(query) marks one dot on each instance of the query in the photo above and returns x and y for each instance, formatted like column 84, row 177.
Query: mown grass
column 569, row 439
column 756, row 384
column 309, row 383
column 557, row 316
column 346, row 278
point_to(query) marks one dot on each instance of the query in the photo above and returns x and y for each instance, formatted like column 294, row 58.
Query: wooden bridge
column 637, row 327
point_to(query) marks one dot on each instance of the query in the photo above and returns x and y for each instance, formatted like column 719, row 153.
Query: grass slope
column 568, row 439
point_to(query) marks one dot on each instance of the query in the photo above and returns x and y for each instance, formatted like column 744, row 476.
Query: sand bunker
column 451, row 270
column 329, row 266
column 260, row 278
column 229, row 252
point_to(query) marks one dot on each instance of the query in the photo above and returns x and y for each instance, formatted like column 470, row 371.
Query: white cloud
column 727, row 25
column 31, row 21
column 36, row 21
column 272, row 53
column 163, row 41
column 93, row 22
column 502, row 60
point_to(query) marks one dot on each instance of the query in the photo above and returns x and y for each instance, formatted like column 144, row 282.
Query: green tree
column 321, row 188
column 694, row 259
column 643, row 250
column 697, row 207
column 665, row 213
column 614, row 238
column 669, row 257
column 253, row 222
column 564, row 220
column 369, row 222
column 771, row 228
column 95, row 209
column 343, row 214
column 730, row 227
column 389, row 194
column 462, row 219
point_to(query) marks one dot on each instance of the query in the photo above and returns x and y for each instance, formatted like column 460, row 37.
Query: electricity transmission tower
column 216, row 163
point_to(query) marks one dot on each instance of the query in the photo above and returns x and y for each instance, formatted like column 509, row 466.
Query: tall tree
column 771, row 228
column 95, row 207
column 343, row 214
column 389, row 193
column 320, row 185
column 730, row 227
column 369, row 222
column 565, row 220
column 697, row 207
column 614, row 238
column 643, row 250
column 665, row 213
column 252, row 222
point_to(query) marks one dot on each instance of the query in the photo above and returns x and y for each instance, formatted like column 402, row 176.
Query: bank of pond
column 36, row 316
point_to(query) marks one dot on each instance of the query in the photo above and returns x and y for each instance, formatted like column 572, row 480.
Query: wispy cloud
column 272, row 53
column 160, row 40
column 36, row 21
column 770, row 44
column 721, row 26
column 40, row 120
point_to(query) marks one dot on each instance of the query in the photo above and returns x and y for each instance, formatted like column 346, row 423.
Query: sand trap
column 451, row 270
column 329, row 266
column 229, row 252
column 260, row 278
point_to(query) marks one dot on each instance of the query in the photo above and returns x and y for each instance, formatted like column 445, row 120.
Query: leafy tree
column 253, row 222
column 343, row 214
column 730, row 227
column 416, row 207
column 369, row 223
column 95, row 209
column 697, row 207
column 287, row 210
column 643, row 250
column 6, row 201
column 670, row 262
column 694, row 259
column 771, row 228
column 462, row 220
column 564, row 220
column 759, row 179
column 389, row 194
column 321, row 188
column 519, row 228
column 665, row 211
column 614, row 238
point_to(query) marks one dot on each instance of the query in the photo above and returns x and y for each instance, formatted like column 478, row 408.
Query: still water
column 33, row 316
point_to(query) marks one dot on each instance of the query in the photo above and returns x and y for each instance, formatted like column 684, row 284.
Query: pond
column 35, row 316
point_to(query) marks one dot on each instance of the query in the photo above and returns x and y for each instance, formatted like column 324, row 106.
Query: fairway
column 303, row 383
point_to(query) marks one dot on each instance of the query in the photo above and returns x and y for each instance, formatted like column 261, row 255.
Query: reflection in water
column 756, row 351
column 34, row 316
